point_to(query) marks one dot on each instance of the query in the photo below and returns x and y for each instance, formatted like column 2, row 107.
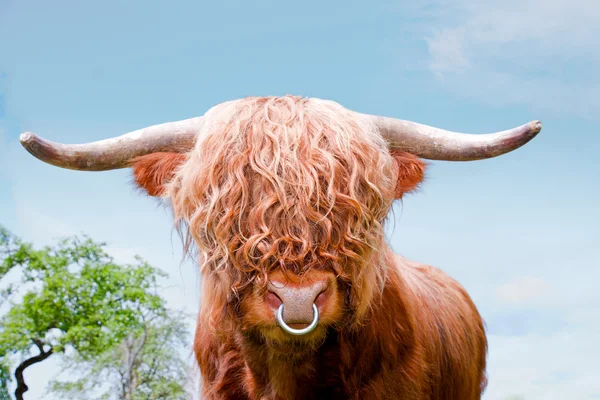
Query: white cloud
column 540, row 53
column 523, row 290
column 502, row 30
column 448, row 52
column 552, row 367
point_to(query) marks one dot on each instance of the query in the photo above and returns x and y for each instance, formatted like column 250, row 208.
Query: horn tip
column 29, row 141
column 26, row 138
column 536, row 126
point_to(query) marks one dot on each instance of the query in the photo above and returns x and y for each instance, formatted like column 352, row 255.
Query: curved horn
column 437, row 144
column 115, row 153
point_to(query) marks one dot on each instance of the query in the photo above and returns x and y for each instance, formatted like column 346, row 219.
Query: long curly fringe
column 285, row 182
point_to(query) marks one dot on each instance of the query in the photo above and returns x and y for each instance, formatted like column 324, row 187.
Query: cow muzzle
column 296, row 307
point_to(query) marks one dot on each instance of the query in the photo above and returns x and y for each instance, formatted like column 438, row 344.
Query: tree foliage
column 4, row 380
column 145, row 365
column 74, row 300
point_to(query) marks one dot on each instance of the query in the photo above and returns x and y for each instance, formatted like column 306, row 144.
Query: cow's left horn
column 117, row 152
column 437, row 144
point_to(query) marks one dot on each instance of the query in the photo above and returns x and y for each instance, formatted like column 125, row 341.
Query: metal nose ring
column 293, row 331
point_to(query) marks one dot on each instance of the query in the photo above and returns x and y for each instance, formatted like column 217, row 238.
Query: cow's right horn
column 117, row 152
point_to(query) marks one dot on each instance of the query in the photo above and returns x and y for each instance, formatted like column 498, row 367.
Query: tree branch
column 21, row 386
column 39, row 344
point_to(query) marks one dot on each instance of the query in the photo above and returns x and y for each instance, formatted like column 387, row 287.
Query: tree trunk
column 21, row 386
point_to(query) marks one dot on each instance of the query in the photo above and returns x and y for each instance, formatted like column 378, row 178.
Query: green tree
column 71, row 298
column 145, row 365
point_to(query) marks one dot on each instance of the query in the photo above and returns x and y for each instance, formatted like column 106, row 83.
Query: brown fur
column 298, row 189
column 411, row 171
column 151, row 172
column 423, row 339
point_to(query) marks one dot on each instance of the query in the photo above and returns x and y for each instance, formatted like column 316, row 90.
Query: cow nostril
column 272, row 299
column 322, row 297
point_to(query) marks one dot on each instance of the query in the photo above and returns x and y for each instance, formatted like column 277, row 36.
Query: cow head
column 285, row 199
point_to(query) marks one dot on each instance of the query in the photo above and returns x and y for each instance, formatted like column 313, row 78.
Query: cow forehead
column 281, row 181
column 298, row 147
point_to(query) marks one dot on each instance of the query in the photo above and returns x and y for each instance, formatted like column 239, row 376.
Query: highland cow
column 285, row 199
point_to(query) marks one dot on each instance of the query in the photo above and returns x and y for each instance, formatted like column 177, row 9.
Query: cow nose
column 298, row 300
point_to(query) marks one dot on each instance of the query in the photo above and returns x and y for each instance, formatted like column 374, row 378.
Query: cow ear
column 411, row 171
column 151, row 172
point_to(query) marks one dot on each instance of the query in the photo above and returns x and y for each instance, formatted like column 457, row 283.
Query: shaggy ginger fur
column 300, row 188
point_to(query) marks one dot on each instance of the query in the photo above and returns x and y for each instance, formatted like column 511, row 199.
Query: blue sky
column 521, row 232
